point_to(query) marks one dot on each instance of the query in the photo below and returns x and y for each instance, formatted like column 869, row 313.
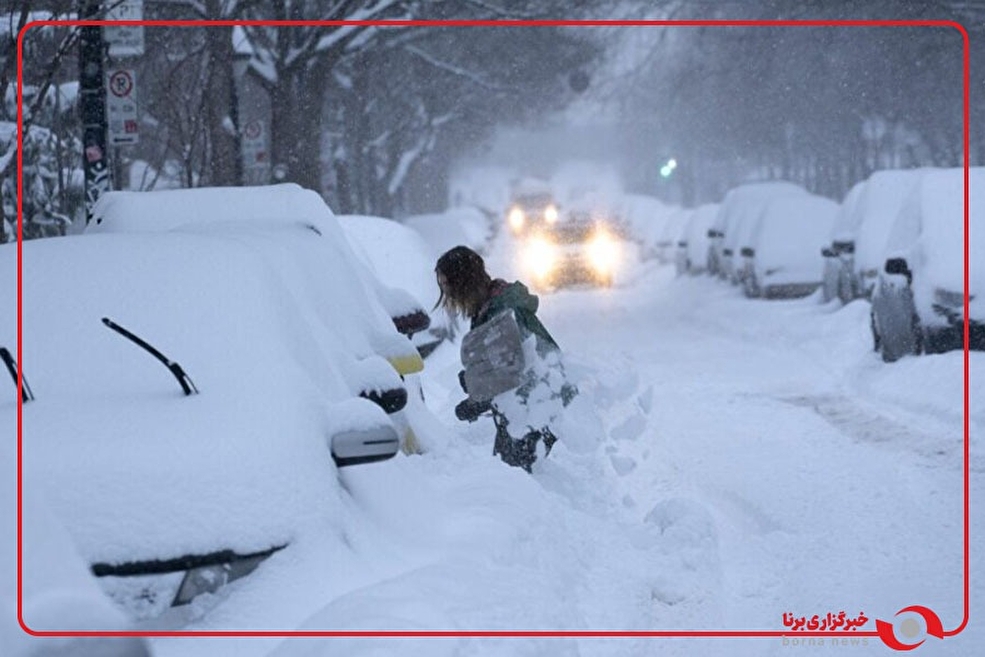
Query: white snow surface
column 732, row 460
column 464, row 225
column 788, row 237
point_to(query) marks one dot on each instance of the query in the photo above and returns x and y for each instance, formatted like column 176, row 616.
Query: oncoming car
column 572, row 252
column 202, row 362
column 531, row 207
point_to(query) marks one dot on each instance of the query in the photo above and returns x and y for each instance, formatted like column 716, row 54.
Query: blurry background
column 389, row 120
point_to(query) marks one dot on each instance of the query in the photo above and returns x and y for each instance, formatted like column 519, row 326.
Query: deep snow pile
column 736, row 460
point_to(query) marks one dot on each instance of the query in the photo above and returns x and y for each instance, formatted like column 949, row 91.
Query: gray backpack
column 492, row 355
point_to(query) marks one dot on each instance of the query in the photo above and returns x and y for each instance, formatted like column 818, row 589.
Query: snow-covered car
column 665, row 247
column 784, row 257
column 857, row 248
column 918, row 299
column 278, row 364
column 401, row 260
column 741, row 204
column 445, row 230
column 692, row 247
column 59, row 591
column 532, row 206
column 837, row 279
column 644, row 218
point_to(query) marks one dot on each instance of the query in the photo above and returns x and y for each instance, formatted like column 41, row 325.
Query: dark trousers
column 519, row 452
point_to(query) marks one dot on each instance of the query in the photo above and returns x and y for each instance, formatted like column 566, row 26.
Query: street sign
column 121, row 107
column 256, row 159
column 125, row 41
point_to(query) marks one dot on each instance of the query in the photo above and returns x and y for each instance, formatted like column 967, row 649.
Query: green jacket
column 516, row 297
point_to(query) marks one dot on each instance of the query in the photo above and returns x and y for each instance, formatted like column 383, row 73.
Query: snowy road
column 733, row 461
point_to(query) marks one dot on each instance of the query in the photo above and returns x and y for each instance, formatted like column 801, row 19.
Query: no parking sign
column 121, row 107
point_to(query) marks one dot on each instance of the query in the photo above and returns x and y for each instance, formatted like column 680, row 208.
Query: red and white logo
column 910, row 628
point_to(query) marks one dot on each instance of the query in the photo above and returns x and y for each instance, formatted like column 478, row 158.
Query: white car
column 741, row 204
column 918, row 297
column 400, row 258
column 859, row 238
column 278, row 364
column 838, row 279
column 694, row 242
column 784, row 257
column 644, row 219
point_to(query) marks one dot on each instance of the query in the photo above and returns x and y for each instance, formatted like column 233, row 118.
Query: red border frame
column 495, row 23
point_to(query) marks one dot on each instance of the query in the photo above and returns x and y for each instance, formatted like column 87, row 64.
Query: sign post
column 121, row 106
column 125, row 40
column 92, row 108
column 254, row 155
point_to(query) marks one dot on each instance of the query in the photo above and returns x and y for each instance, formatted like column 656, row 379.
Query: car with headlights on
column 918, row 300
column 203, row 363
column 532, row 206
column 577, row 250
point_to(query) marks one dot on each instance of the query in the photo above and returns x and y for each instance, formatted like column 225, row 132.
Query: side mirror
column 747, row 252
column 413, row 322
column 828, row 252
column 359, row 446
column 899, row 266
column 391, row 400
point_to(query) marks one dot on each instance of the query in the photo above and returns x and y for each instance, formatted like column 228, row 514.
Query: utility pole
column 92, row 106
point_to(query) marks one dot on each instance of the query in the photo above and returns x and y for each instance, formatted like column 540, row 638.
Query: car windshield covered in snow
column 189, row 483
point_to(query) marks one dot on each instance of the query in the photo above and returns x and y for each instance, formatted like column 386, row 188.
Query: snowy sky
column 728, row 461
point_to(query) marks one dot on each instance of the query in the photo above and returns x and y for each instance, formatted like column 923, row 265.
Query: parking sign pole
column 92, row 107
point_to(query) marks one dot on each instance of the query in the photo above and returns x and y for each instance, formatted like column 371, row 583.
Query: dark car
column 571, row 252
column 532, row 206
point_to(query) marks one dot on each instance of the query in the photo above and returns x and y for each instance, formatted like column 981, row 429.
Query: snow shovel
column 492, row 355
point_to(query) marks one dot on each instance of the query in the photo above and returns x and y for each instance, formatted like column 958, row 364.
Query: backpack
column 492, row 355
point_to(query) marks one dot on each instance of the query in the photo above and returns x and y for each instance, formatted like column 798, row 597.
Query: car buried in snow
column 856, row 252
column 740, row 205
column 918, row 299
column 278, row 366
column 781, row 256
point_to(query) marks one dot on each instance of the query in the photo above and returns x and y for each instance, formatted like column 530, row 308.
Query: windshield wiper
column 183, row 379
column 8, row 360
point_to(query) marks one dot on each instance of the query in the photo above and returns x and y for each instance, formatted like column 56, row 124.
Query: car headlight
column 550, row 213
column 540, row 257
column 603, row 252
column 516, row 218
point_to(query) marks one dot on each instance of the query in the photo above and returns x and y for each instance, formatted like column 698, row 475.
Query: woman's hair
column 463, row 281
